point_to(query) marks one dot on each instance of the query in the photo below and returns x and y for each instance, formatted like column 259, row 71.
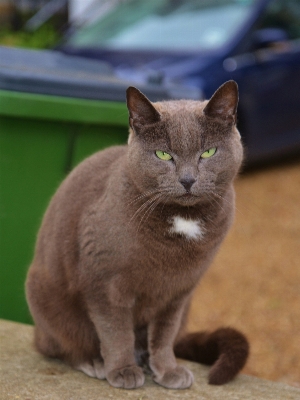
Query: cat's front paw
column 177, row 378
column 130, row 377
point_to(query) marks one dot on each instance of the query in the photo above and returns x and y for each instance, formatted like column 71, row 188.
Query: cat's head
column 184, row 149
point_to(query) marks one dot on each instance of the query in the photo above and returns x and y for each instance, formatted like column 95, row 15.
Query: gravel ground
column 254, row 282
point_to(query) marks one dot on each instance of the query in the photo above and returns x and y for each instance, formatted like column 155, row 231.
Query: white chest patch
column 189, row 228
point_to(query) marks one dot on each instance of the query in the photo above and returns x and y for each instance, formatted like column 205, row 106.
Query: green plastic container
column 41, row 139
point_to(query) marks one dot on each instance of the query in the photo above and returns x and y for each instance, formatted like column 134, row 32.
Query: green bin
column 42, row 136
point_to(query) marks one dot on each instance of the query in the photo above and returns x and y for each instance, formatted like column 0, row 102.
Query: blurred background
column 64, row 69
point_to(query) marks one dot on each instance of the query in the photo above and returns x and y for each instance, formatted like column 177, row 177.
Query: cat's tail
column 226, row 349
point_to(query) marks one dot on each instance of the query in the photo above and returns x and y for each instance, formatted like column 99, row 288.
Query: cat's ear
column 141, row 111
column 223, row 103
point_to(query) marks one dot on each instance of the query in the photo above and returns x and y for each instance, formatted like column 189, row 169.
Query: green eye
column 209, row 153
column 162, row 155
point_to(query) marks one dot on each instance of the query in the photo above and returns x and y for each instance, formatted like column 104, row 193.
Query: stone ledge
column 26, row 375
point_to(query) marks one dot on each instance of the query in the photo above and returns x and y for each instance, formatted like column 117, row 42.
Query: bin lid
column 51, row 72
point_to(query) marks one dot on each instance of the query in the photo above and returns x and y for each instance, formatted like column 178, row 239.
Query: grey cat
column 126, row 239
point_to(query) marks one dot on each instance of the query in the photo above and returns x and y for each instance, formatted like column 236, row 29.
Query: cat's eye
column 209, row 153
column 162, row 155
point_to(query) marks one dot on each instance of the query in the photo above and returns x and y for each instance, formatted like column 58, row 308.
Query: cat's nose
column 187, row 183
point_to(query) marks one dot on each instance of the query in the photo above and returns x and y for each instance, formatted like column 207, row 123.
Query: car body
column 193, row 46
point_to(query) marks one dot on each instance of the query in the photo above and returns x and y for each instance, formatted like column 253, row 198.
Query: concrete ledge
column 26, row 375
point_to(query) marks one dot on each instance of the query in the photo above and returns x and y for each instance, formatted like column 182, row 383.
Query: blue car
column 191, row 47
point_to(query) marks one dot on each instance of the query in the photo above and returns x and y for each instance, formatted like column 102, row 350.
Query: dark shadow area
column 283, row 160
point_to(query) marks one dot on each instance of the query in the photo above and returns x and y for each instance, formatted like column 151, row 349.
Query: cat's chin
column 187, row 200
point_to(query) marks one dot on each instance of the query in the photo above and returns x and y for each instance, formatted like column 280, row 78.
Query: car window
column 283, row 14
column 166, row 25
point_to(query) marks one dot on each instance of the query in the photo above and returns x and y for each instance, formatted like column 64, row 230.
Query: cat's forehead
column 182, row 120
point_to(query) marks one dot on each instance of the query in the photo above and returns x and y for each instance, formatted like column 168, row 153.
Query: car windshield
column 164, row 24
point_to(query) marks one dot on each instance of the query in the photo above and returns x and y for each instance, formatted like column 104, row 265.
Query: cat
column 126, row 239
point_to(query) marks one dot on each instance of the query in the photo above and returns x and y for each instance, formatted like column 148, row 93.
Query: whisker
column 166, row 198
column 150, row 209
column 145, row 205
column 228, row 202
column 216, row 201
column 210, row 200
column 145, row 194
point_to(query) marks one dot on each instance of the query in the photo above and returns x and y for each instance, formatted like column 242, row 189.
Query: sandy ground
column 254, row 282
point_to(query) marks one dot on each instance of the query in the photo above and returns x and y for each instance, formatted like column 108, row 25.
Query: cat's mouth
column 187, row 198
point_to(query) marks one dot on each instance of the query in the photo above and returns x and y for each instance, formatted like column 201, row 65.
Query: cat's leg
column 162, row 334
column 114, row 327
column 63, row 329
column 50, row 347
column 80, row 358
